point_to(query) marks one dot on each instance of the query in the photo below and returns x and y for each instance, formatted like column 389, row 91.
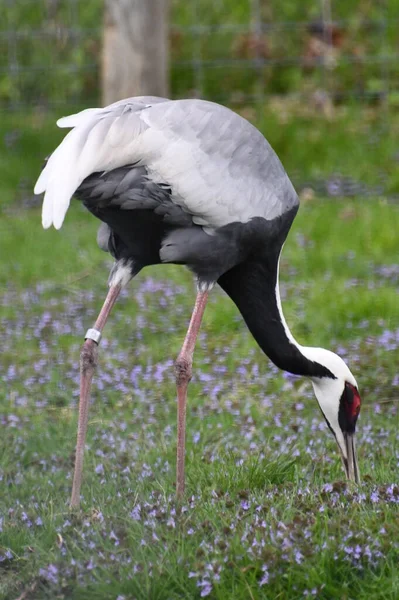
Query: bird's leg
column 88, row 363
column 183, row 372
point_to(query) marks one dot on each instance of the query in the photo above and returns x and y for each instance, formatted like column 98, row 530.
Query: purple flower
column 298, row 557
column 374, row 497
column 113, row 536
column 206, row 586
column 196, row 437
column 7, row 556
column 136, row 513
column 327, row 487
column 171, row 522
column 50, row 574
column 99, row 469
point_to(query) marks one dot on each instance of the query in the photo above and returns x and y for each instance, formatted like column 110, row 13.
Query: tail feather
column 78, row 118
column 88, row 147
column 102, row 139
column 60, row 178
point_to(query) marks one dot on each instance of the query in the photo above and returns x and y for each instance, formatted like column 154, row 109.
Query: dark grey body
column 144, row 227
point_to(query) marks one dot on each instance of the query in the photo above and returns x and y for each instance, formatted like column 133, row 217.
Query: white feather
column 78, row 118
column 40, row 185
column 60, row 177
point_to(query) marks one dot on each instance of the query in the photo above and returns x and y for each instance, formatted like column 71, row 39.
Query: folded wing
column 219, row 167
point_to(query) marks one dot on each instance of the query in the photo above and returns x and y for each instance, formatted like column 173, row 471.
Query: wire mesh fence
column 318, row 53
column 233, row 51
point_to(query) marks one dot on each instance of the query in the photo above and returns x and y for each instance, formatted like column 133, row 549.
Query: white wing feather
column 220, row 168
column 79, row 118
column 91, row 146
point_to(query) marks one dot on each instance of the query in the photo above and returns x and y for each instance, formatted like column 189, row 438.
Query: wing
column 129, row 188
column 101, row 140
column 218, row 166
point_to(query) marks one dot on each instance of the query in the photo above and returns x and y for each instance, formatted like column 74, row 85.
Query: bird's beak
column 350, row 461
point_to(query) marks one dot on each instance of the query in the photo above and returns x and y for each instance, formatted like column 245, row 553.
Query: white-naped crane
column 191, row 182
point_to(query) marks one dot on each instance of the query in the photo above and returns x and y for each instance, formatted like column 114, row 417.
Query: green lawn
column 266, row 514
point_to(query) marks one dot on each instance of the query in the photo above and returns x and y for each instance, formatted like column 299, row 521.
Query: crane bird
column 191, row 182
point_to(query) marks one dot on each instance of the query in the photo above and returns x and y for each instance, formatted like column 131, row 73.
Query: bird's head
column 339, row 400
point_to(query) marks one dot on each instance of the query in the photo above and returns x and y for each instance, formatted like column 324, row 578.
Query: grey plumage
column 103, row 234
column 201, row 171
column 218, row 167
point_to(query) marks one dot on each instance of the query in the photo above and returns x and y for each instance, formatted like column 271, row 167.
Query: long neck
column 253, row 286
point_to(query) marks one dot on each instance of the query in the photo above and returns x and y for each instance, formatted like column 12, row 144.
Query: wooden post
column 135, row 49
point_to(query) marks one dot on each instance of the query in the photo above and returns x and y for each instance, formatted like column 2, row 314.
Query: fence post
column 135, row 49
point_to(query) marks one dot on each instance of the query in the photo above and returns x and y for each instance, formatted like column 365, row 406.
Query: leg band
column 93, row 334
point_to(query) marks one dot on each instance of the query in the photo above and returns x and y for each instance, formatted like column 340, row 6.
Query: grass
column 266, row 513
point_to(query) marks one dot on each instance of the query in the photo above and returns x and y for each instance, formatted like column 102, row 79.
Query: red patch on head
column 352, row 402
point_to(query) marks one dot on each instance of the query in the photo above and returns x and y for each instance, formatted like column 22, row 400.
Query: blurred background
column 317, row 60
